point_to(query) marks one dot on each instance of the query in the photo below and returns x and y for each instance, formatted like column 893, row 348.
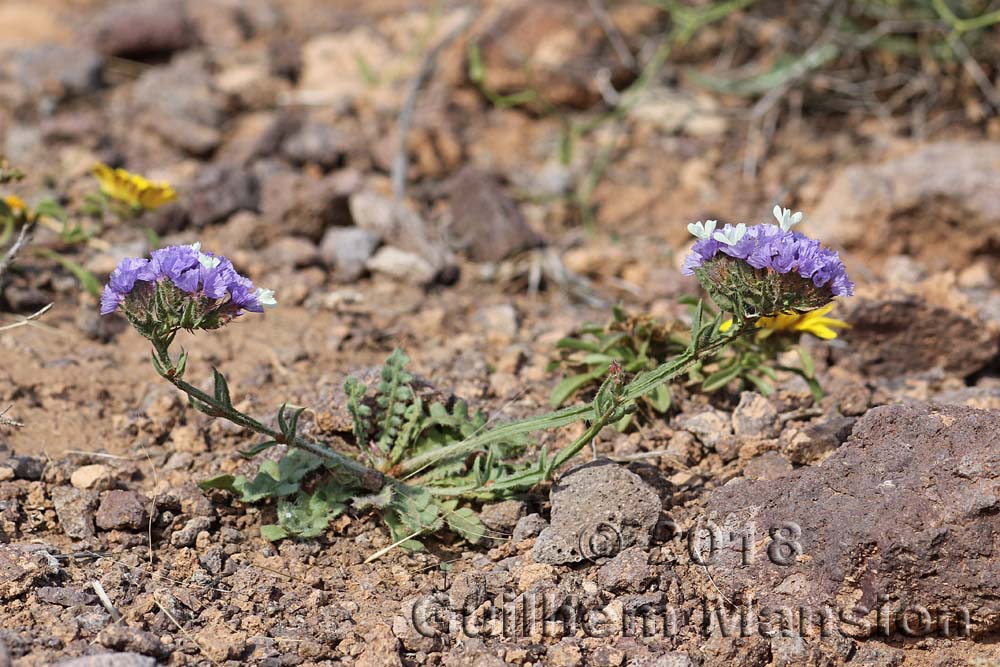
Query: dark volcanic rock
column 123, row 510
column 22, row 567
column 904, row 515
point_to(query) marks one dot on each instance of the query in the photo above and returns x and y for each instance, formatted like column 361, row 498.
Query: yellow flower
column 15, row 203
column 814, row 322
column 133, row 189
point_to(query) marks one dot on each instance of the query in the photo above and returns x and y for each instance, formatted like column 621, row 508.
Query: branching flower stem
column 614, row 400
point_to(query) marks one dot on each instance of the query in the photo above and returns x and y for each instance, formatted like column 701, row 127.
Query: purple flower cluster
column 770, row 248
column 194, row 272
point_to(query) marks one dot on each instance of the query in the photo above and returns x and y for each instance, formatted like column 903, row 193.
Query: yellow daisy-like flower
column 133, row 189
column 814, row 322
column 15, row 203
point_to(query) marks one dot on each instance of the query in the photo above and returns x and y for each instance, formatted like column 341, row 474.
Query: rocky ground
column 735, row 530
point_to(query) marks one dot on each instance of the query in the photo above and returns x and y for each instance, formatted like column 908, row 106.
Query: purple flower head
column 181, row 287
column 770, row 248
column 110, row 300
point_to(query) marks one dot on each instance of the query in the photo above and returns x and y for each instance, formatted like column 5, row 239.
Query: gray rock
column 906, row 508
column 395, row 223
column 290, row 252
column 502, row 517
column 345, row 250
column 468, row 591
column 902, row 331
column 217, row 192
column 75, row 510
column 983, row 398
column 816, row 440
column 529, row 526
column 669, row 659
column 318, row 143
column 485, row 219
column 628, row 571
column 598, row 509
column 109, row 660
column 755, row 417
column 499, row 319
column 769, row 465
column 142, row 30
column 127, row 639
column 303, row 205
column 402, row 265
column 789, row 651
column 50, row 72
column 176, row 104
column 710, row 427
column 123, row 510
column 877, row 654
column 186, row 536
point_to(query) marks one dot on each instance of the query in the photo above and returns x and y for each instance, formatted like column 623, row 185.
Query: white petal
column 208, row 261
column 777, row 213
column 696, row 229
column 797, row 217
column 710, row 227
column 265, row 297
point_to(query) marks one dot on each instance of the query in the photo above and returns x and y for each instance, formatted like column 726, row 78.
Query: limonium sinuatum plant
column 417, row 461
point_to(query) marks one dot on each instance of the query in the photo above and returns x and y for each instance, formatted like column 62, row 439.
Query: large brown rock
column 486, row 220
column 941, row 204
column 904, row 516
column 557, row 50
column 897, row 331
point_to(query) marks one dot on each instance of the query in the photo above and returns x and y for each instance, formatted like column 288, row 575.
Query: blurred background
column 456, row 177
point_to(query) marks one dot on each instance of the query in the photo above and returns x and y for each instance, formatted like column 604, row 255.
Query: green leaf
column 257, row 449
column 466, row 523
column 86, row 279
column 660, row 398
column 289, row 426
column 51, row 209
column 577, row 344
column 721, row 378
column 569, row 386
column 762, row 385
column 308, row 515
column 808, row 366
column 221, row 389
column 273, row 532
column 597, row 358
column 223, row 482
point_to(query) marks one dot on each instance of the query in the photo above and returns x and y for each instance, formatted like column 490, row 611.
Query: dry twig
column 400, row 162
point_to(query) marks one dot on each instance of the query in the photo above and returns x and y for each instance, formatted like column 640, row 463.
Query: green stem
column 640, row 386
column 370, row 478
